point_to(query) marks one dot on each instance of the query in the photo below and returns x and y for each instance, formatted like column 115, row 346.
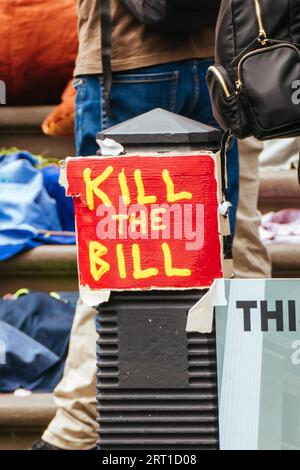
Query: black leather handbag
column 254, row 84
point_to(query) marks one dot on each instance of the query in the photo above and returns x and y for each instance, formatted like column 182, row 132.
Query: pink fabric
column 281, row 227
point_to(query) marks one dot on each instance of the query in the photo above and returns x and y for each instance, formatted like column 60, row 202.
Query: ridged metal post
column 157, row 385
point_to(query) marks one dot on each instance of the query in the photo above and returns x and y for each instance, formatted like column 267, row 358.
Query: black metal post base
column 156, row 384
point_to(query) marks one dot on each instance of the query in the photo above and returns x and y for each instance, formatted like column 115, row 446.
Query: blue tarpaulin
column 27, row 210
column 34, row 337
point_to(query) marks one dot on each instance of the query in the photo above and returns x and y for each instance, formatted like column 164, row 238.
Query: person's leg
column 280, row 153
column 87, row 115
column 74, row 426
column 250, row 256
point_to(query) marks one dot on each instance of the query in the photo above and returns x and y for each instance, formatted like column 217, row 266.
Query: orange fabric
column 61, row 121
column 38, row 49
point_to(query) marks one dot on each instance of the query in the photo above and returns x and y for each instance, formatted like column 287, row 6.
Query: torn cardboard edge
column 94, row 298
column 201, row 315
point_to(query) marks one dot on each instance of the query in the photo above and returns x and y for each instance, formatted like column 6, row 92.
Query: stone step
column 21, row 127
column 44, row 268
column 279, row 190
column 285, row 260
column 23, row 419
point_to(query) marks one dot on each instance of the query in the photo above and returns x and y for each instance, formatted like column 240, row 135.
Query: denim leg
column 134, row 92
column 87, row 115
column 137, row 92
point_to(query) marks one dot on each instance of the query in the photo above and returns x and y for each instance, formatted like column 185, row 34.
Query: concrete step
column 47, row 267
column 279, row 190
column 44, row 268
column 285, row 260
column 23, row 419
column 21, row 127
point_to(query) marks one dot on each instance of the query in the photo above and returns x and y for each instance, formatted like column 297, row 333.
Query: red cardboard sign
column 146, row 222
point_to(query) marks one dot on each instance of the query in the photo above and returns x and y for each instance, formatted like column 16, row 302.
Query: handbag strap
column 225, row 144
column 106, row 32
column 226, row 141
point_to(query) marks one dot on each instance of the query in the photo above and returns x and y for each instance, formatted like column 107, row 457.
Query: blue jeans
column 179, row 87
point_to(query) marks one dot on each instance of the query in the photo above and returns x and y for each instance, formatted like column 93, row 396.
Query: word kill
column 93, row 188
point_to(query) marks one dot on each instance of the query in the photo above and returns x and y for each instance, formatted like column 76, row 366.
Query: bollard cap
column 162, row 127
